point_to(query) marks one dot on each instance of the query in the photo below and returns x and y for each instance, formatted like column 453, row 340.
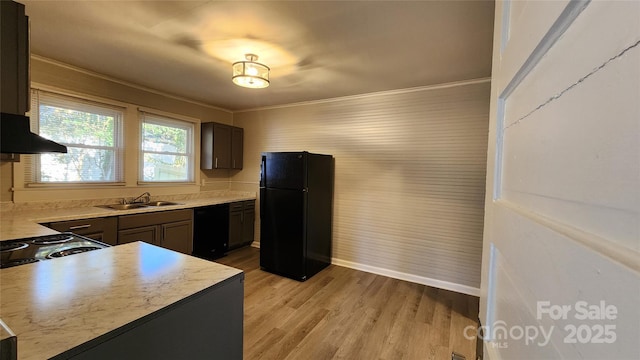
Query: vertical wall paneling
column 410, row 176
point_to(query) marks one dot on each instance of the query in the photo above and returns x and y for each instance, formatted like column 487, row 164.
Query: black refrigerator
column 296, row 205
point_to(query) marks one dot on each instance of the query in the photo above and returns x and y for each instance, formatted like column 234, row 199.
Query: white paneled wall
column 410, row 176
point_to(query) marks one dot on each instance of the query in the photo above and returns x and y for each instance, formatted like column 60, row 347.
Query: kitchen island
column 131, row 301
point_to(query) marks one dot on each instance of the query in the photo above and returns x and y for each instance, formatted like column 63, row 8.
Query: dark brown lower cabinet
column 174, row 229
column 241, row 222
column 174, row 236
column 169, row 229
column 148, row 234
column 207, row 325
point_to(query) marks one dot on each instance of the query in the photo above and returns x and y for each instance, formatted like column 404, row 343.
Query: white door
column 561, row 255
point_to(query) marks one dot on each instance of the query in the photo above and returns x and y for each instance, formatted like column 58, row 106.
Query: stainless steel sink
column 138, row 205
column 160, row 203
column 123, row 206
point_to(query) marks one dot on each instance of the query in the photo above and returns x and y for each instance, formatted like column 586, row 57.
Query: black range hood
column 17, row 138
column 15, row 133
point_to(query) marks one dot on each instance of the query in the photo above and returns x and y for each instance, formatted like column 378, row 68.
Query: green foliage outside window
column 90, row 139
column 93, row 135
column 166, row 152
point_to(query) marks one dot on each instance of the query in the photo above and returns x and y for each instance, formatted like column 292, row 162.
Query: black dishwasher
column 211, row 231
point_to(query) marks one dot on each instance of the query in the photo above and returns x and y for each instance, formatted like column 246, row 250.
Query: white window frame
column 164, row 119
column 33, row 164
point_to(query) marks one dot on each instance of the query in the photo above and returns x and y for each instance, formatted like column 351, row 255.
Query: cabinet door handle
column 86, row 226
column 216, row 165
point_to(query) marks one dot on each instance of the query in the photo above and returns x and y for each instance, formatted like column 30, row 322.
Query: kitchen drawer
column 242, row 205
column 84, row 226
column 102, row 229
column 154, row 218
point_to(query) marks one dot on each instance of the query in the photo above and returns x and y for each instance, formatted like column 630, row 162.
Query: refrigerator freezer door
column 284, row 170
column 282, row 232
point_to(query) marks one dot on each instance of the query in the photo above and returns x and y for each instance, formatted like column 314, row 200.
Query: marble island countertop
column 56, row 305
column 23, row 220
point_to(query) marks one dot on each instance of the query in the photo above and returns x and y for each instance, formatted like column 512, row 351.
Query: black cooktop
column 34, row 249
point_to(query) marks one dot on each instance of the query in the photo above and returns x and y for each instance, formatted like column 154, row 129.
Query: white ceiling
column 316, row 49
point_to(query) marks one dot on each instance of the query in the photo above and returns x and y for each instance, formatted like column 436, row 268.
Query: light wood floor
column 342, row 313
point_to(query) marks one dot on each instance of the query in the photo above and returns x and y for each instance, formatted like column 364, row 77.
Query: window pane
column 79, row 164
column 161, row 167
column 167, row 149
column 76, row 127
column 92, row 132
column 162, row 138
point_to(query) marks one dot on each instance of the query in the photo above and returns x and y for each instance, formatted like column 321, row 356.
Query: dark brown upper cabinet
column 15, row 58
column 221, row 146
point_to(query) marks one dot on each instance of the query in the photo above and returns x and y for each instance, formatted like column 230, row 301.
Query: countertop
column 23, row 220
column 55, row 305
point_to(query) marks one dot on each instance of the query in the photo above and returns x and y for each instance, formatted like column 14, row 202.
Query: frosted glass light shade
column 250, row 74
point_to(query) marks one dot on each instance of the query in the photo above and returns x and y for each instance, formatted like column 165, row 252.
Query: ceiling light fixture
column 250, row 73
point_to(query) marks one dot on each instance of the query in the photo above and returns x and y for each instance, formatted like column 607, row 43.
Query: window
column 167, row 149
column 92, row 133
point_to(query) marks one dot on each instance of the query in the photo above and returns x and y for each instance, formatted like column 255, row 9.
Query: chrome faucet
column 144, row 198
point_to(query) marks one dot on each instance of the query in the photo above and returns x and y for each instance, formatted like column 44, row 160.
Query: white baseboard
column 409, row 277
column 402, row 276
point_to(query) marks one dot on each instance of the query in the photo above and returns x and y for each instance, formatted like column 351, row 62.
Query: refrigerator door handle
column 263, row 169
